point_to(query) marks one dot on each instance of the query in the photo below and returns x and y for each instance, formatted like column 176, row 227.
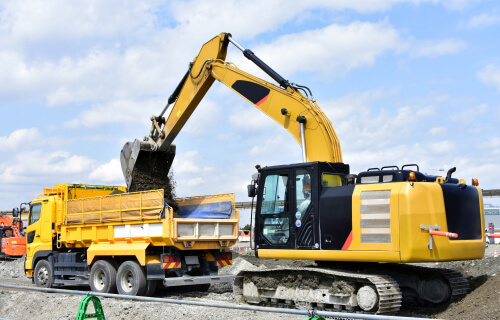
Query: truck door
column 275, row 221
column 38, row 231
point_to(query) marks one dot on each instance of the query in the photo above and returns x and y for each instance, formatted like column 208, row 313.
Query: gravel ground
column 481, row 303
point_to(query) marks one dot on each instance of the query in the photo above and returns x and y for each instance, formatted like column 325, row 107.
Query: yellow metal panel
column 137, row 249
column 330, row 255
column 422, row 203
column 153, row 259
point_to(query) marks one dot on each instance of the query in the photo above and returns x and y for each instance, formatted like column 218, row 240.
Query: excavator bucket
column 145, row 169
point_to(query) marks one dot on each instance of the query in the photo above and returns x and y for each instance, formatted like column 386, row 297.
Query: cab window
column 303, row 192
column 35, row 211
column 331, row 180
column 276, row 230
column 274, row 194
column 276, row 224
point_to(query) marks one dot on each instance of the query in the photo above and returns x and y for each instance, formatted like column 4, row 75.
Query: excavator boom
column 147, row 163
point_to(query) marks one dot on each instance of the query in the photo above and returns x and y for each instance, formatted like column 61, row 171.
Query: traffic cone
column 495, row 254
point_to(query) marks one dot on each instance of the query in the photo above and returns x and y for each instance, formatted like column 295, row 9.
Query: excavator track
column 421, row 284
column 458, row 283
column 319, row 289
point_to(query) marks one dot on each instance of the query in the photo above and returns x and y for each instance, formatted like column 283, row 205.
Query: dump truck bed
column 143, row 218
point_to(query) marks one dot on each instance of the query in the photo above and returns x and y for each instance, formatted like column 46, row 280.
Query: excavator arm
column 150, row 159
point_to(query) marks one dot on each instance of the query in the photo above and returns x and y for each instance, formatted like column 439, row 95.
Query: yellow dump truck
column 128, row 242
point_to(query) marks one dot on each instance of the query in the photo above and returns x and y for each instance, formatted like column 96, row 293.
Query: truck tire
column 130, row 279
column 43, row 274
column 151, row 288
column 103, row 277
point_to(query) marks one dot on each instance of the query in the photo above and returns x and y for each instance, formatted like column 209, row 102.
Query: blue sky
column 401, row 81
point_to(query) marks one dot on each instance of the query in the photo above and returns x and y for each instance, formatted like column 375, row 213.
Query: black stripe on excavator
column 252, row 91
column 335, row 216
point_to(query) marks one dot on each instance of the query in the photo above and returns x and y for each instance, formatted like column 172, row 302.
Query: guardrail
column 215, row 304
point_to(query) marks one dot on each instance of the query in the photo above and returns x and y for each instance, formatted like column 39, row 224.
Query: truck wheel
column 130, row 279
column 43, row 274
column 103, row 277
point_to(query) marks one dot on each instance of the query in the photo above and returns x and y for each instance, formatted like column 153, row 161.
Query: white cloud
column 249, row 119
column 361, row 126
column 438, row 48
column 334, row 49
column 492, row 145
column 198, row 18
column 207, row 115
column 120, row 111
column 31, row 21
column 441, row 147
column 276, row 144
column 106, row 173
column 469, row 115
column 36, row 165
column 458, row 4
column 187, row 162
column 437, row 131
column 19, row 140
column 490, row 76
column 484, row 20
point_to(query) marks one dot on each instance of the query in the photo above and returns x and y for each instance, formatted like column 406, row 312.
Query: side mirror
column 251, row 190
column 15, row 213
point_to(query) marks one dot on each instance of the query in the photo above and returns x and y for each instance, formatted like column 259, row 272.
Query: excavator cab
column 288, row 199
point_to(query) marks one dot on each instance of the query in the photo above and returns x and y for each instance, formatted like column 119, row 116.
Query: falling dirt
column 151, row 171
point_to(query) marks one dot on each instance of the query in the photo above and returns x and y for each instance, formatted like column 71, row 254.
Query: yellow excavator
column 360, row 231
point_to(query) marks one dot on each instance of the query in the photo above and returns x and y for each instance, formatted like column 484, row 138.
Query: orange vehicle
column 11, row 235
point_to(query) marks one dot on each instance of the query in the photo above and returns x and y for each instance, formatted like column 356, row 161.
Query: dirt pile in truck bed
column 151, row 171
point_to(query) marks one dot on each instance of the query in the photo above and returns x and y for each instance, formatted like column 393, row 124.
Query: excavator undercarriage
column 350, row 287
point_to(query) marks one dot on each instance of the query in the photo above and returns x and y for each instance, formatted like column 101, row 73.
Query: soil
column 151, row 171
column 481, row 303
